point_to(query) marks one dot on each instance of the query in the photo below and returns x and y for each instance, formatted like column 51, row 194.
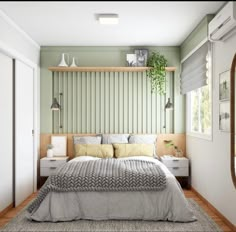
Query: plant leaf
column 157, row 73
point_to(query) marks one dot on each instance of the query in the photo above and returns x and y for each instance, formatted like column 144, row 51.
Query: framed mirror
column 232, row 121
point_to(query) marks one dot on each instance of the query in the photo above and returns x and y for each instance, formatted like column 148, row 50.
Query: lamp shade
column 169, row 105
column 55, row 105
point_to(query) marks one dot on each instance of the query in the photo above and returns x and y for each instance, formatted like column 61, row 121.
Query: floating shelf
column 104, row 69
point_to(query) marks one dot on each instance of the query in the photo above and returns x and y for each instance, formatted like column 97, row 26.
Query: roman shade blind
column 194, row 70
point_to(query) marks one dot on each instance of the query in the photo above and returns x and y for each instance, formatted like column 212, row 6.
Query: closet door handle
column 53, row 167
column 175, row 167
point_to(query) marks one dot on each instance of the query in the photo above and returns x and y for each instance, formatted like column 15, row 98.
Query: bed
column 167, row 204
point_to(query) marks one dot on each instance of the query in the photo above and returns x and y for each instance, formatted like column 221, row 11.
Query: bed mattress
column 169, row 204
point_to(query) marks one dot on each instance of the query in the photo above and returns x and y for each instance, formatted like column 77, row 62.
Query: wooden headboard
column 178, row 139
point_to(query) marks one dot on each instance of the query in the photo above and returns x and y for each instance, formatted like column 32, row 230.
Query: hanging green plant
column 157, row 72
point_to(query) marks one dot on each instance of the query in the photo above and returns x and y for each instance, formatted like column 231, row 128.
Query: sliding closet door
column 6, row 135
column 24, row 147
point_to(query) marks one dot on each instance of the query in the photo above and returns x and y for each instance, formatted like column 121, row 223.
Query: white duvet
column 169, row 204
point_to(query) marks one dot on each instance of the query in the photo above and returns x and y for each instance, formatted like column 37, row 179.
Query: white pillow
column 115, row 138
column 148, row 139
column 87, row 139
column 84, row 158
column 145, row 139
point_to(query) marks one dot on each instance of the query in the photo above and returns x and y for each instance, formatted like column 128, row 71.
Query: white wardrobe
column 23, row 132
column 17, row 124
column 6, row 135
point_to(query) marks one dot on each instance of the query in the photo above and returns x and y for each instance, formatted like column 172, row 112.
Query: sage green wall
column 195, row 37
column 107, row 56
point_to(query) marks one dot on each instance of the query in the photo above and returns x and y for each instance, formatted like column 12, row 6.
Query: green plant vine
column 157, row 72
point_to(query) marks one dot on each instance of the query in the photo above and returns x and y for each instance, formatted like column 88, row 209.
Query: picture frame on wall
column 142, row 55
column 224, row 116
column 224, row 86
column 131, row 60
column 59, row 145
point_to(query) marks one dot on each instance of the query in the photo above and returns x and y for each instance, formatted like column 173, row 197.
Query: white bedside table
column 49, row 165
column 178, row 166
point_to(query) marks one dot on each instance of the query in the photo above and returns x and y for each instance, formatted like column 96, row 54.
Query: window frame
column 189, row 126
column 188, row 104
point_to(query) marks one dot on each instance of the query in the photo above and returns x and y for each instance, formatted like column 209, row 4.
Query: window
column 200, row 111
column 196, row 83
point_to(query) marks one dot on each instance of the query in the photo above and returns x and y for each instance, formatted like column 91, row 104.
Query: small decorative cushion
column 96, row 150
column 114, row 138
column 127, row 150
column 144, row 139
column 87, row 139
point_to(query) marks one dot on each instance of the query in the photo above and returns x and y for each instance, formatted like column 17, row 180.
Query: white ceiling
column 145, row 23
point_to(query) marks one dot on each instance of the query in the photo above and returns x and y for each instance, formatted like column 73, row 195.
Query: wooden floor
column 12, row 212
column 188, row 193
column 217, row 219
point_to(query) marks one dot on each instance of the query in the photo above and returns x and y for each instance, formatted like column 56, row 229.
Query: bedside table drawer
column 175, row 162
column 179, row 171
column 47, row 171
column 51, row 163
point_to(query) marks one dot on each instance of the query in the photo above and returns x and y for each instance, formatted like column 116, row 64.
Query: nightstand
column 179, row 167
column 48, row 166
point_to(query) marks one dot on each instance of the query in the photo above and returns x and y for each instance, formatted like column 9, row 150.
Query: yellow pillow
column 126, row 150
column 96, row 150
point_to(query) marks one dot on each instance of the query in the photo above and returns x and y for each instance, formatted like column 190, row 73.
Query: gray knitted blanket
column 103, row 175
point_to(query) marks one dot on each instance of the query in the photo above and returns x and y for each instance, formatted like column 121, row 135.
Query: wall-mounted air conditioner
column 224, row 23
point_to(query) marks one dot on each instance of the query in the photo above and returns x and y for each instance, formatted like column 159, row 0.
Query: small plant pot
column 49, row 153
column 178, row 153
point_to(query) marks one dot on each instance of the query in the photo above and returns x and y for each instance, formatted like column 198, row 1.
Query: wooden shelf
column 104, row 69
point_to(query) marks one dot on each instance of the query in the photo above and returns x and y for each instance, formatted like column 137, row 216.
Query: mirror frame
column 232, row 121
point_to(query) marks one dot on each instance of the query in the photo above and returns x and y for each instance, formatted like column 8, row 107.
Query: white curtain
column 194, row 70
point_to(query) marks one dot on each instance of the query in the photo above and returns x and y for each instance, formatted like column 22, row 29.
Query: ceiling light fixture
column 108, row 18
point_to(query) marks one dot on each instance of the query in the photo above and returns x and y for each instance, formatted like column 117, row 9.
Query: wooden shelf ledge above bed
column 104, row 69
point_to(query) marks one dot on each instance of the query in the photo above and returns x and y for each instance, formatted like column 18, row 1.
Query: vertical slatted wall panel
column 107, row 102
